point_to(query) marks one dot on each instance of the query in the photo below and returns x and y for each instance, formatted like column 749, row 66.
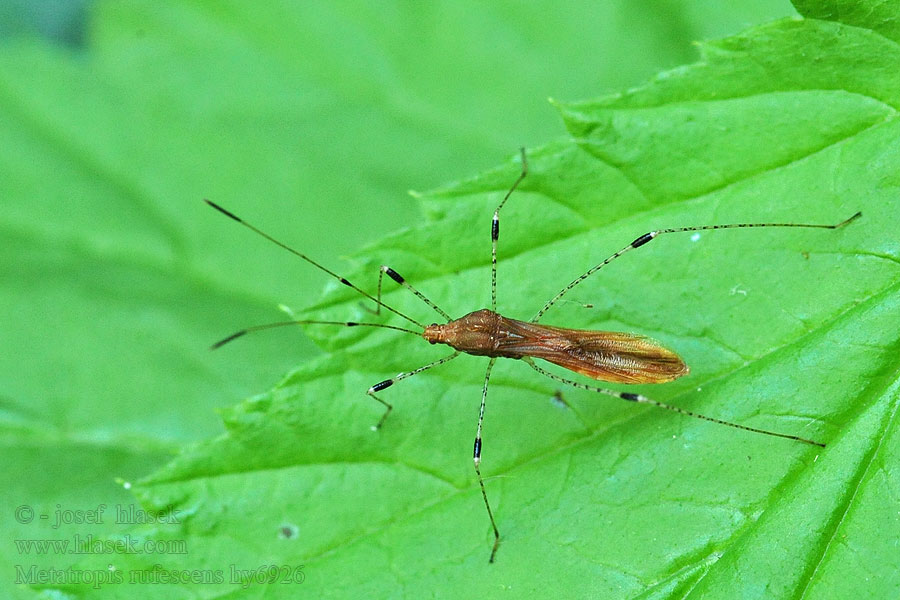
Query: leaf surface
column 789, row 330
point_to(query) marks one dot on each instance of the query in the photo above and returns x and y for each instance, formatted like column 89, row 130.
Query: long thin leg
column 396, row 277
column 476, row 458
column 238, row 334
column 495, row 230
column 389, row 382
column 645, row 400
column 649, row 236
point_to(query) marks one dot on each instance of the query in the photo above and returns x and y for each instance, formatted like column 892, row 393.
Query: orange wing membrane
column 605, row 355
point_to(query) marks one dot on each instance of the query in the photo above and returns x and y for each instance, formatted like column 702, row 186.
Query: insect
column 608, row 356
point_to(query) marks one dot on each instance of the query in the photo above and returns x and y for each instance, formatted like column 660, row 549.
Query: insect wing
column 604, row 355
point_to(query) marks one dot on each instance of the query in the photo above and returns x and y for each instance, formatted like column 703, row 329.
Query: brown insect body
column 605, row 355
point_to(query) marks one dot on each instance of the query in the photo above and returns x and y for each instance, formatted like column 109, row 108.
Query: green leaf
column 119, row 287
column 789, row 330
column 118, row 278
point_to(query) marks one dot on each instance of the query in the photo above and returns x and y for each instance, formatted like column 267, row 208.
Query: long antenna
column 238, row 334
column 309, row 260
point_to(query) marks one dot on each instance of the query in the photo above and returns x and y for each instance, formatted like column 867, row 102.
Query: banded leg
column 476, row 458
column 495, row 230
column 645, row 400
column 399, row 279
column 640, row 241
column 389, row 382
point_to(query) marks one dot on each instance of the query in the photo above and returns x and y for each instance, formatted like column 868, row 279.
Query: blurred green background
column 311, row 120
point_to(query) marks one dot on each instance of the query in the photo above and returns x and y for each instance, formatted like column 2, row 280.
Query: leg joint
column 643, row 239
column 381, row 385
column 393, row 274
